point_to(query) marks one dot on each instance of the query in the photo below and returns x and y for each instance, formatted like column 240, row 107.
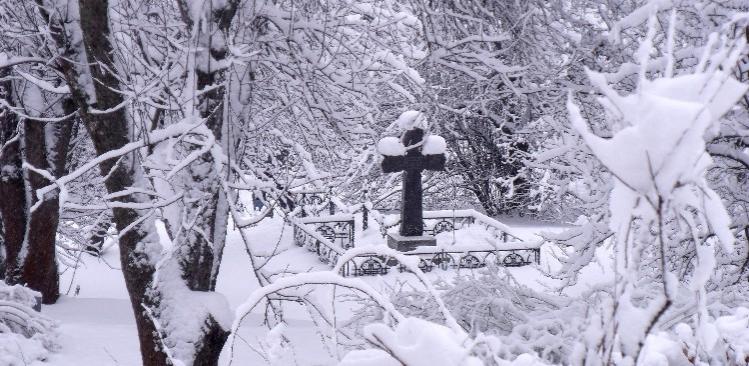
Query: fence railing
column 440, row 221
column 307, row 237
column 312, row 202
column 339, row 229
column 330, row 236
column 374, row 265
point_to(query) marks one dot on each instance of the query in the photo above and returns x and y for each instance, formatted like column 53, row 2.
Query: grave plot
column 464, row 239
column 447, row 239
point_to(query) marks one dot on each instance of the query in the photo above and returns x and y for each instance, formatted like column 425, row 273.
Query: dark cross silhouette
column 412, row 220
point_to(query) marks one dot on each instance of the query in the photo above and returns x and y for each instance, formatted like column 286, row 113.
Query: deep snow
column 97, row 326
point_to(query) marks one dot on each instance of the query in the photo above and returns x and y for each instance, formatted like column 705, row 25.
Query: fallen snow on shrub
column 417, row 342
column 414, row 342
column 25, row 334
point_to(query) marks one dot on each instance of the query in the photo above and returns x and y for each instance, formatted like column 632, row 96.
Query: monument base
column 409, row 243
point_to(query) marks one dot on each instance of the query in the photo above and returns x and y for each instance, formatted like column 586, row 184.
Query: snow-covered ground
column 96, row 321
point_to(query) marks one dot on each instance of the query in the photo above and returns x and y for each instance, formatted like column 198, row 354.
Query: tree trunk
column 206, row 204
column 13, row 202
column 45, row 146
column 2, row 250
column 37, row 263
column 110, row 132
column 98, row 235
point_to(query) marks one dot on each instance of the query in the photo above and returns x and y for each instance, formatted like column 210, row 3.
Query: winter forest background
column 152, row 153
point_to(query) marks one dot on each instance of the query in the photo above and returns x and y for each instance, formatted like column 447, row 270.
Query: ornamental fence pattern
column 313, row 203
column 436, row 222
column 375, row 265
column 308, row 238
column 337, row 229
column 329, row 237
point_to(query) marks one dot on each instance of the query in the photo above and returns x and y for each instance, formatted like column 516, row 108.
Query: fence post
column 364, row 217
column 303, row 201
column 331, row 204
column 365, row 211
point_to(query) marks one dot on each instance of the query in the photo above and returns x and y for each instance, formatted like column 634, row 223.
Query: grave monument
column 412, row 154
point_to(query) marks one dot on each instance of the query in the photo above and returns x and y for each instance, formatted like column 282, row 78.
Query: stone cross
column 412, row 163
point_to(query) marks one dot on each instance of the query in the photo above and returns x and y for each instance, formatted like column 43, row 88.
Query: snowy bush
column 493, row 304
column 658, row 157
column 393, row 336
column 413, row 342
column 525, row 320
column 25, row 334
column 417, row 342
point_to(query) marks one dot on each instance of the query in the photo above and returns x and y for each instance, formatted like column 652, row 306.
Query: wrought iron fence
column 433, row 225
column 306, row 237
column 436, row 222
column 339, row 229
column 374, row 265
column 330, row 236
column 312, row 203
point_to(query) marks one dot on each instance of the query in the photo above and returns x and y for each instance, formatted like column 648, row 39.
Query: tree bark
column 37, row 265
column 110, row 132
column 205, row 201
column 2, row 250
column 13, row 202
column 12, row 191
column 45, row 146
column 140, row 249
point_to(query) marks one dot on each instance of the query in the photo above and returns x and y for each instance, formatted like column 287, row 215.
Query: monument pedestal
column 408, row 243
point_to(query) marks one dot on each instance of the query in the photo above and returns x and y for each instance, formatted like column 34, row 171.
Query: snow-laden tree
column 658, row 158
column 182, row 115
column 608, row 44
column 38, row 121
column 482, row 69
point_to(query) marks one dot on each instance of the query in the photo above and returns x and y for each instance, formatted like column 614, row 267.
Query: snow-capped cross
column 412, row 154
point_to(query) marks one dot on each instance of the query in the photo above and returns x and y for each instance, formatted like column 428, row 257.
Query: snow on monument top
column 434, row 145
column 409, row 120
column 391, row 146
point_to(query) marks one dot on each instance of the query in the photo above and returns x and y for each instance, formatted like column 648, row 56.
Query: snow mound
column 418, row 342
column 184, row 314
column 26, row 336
column 409, row 120
column 415, row 342
column 434, row 145
column 391, row 146
column 19, row 294
column 17, row 350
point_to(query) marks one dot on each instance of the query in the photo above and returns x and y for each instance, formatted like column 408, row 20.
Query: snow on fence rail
column 318, row 234
column 339, row 228
column 374, row 264
column 312, row 202
column 439, row 221
column 306, row 236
